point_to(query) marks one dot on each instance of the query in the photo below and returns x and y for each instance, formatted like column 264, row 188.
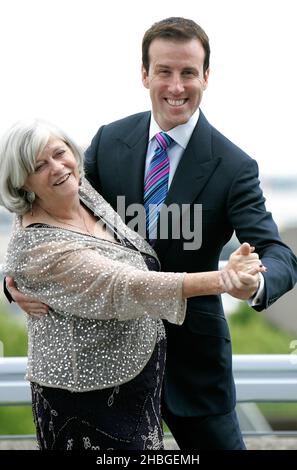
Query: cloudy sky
column 77, row 64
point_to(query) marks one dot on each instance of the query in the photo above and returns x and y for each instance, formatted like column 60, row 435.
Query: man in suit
column 205, row 169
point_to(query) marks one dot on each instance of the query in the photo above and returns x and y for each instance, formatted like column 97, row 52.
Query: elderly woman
column 96, row 361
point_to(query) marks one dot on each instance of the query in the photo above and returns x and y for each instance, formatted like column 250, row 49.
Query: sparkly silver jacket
column 104, row 302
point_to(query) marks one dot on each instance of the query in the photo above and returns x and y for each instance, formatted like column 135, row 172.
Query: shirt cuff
column 258, row 296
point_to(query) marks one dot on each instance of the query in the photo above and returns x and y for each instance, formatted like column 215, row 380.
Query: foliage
column 13, row 334
column 251, row 333
column 16, row 420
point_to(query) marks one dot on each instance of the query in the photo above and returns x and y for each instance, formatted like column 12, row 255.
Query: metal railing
column 14, row 389
column 258, row 378
column 265, row 377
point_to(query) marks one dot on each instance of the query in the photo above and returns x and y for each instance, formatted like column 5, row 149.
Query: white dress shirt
column 181, row 135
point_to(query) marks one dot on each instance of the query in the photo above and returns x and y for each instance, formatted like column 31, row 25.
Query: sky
column 77, row 64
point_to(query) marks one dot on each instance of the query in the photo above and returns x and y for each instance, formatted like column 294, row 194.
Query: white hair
column 19, row 148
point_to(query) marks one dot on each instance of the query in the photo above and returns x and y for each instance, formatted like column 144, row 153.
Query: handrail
column 258, row 378
column 265, row 377
column 14, row 389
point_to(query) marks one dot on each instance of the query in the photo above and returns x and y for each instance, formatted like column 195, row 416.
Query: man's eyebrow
column 162, row 66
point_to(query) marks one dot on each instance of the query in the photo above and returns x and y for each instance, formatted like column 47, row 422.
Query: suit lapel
column 194, row 170
column 131, row 161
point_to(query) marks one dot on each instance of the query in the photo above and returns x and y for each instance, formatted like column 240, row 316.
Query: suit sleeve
column 91, row 163
column 252, row 223
column 5, row 290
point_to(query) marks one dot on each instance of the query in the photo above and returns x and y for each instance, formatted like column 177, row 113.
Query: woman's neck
column 74, row 216
column 62, row 210
column 61, row 213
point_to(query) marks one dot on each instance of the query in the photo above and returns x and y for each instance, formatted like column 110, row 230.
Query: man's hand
column 239, row 284
column 241, row 274
column 243, row 259
column 30, row 305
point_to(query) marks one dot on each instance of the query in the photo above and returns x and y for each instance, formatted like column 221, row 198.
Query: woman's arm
column 84, row 283
column 79, row 281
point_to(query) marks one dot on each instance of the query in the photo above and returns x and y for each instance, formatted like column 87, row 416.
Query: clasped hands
column 240, row 277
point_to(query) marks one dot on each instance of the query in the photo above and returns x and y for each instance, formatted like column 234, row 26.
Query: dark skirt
column 127, row 416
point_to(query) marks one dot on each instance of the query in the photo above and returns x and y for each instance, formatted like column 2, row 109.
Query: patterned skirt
column 125, row 417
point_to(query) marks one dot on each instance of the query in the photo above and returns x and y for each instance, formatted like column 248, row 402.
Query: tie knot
column 164, row 140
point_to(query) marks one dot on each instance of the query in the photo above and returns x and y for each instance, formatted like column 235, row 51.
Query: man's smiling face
column 175, row 79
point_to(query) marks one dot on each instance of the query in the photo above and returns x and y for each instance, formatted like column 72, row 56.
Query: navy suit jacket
column 217, row 174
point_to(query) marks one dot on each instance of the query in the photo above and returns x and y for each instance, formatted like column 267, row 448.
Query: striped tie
column 156, row 184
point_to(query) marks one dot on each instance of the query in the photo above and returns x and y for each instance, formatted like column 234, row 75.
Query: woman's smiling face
column 56, row 172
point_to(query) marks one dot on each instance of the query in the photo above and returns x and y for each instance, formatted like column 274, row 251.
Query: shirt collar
column 180, row 134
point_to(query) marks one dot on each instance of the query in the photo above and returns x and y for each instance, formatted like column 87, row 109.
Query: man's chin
column 174, row 120
column 178, row 121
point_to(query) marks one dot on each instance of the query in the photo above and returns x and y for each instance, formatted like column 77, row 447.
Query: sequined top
column 104, row 302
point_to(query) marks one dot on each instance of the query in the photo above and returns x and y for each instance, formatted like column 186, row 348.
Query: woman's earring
column 30, row 196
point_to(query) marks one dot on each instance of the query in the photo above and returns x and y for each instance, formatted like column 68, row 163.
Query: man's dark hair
column 177, row 29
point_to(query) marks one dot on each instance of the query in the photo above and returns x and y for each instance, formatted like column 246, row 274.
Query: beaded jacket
column 104, row 302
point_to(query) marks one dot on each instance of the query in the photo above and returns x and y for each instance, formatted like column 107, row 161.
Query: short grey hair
column 19, row 148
